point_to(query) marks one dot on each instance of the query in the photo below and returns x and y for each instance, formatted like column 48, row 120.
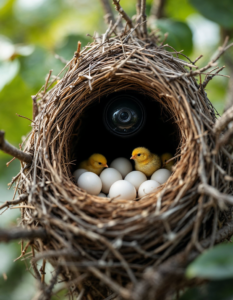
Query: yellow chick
column 164, row 157
column 95, row 163
column 145, row 161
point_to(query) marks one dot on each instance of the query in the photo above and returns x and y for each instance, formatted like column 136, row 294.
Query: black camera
column 124, row 115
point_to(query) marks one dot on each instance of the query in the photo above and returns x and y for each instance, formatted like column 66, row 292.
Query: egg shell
column 122, row 189
column 161, row 175
column 90, row 182
column 147, row 187
column 108, row 177
column 102, row 195
column 78, row 173
column 123, row 165
column 136, row 178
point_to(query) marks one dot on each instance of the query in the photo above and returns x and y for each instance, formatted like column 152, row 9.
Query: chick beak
column 132, row 157
column 106, row 166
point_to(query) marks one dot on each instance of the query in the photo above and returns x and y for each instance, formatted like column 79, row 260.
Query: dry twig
column 11, row 150
column 7, row 235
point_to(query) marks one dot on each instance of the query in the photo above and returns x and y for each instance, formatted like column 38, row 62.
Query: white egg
column 122, row 165
column 122, row 189
column 147, row 187
column 102, row 195
column 78, row 173
column 161, row 175
column 108, row 177
column 90, row 182
column 136, row 178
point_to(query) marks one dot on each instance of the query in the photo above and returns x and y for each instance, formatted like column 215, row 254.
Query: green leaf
column 15, row 97
column 180, row 35
column 219, row 11
column 216, row 263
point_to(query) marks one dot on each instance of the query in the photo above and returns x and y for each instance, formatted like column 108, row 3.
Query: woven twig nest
column 99, row 245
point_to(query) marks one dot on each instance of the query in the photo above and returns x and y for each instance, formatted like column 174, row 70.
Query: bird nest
column 103, row 247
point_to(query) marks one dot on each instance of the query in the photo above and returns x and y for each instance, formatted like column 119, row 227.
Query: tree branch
column 13, row 151
column 143, row 13
column 222, row 122
column 138, row 8
column 158, row 282
column 47, row 292
column 108, row 11
column 21, row 198
column 157, row 9
column 123, row 13
column 7, row 235
column 225, row 139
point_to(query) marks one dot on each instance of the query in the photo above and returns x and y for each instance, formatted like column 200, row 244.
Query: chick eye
column 100, row 163
column 139, row 154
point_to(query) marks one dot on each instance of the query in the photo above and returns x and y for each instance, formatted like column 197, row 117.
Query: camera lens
column 124, row 115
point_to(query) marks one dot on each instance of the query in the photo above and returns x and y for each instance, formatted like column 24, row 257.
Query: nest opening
column 159, row 133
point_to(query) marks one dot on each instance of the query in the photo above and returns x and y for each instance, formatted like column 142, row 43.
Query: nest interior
column 113, row 242
column 159, row 133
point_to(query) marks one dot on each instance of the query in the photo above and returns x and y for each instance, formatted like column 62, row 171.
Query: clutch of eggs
column 108, row 177
column 123, row 165
column 110, row 183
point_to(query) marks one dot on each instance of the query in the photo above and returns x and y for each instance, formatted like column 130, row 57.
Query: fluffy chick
column 95, row 163
column 164, row 157
column 145, row 161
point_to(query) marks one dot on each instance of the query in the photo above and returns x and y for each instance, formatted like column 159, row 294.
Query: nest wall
column 114, row 241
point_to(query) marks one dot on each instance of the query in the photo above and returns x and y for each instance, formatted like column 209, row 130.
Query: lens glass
column 124, row 115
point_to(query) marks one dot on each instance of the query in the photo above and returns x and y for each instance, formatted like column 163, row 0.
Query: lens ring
column 111, row 115
column 124, row 115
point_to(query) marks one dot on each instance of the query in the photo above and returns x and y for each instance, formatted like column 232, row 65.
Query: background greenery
column 31, row 33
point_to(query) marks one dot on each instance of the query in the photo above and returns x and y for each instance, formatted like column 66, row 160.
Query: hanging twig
column 13, row 151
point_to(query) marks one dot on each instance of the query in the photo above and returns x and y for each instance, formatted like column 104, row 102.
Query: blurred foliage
column 214, row 290
column 31, row 33
column 215, row 263
column 217, row 11
column 180, row 35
